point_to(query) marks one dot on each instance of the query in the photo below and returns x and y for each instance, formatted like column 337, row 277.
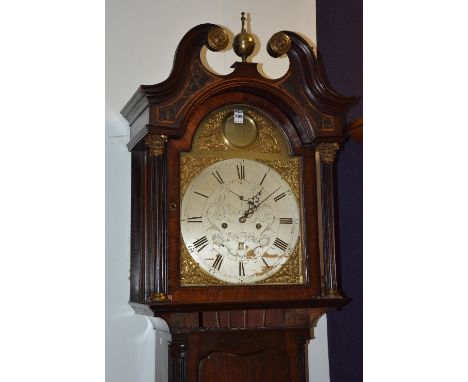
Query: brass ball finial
column 243, row 43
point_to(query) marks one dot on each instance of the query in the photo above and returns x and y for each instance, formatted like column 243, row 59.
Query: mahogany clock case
column 163, row 120
column 212, row 326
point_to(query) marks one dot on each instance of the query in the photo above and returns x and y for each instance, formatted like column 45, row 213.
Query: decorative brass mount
column 327, row 152
column 159, row 297
column 218, row 39
column 279, row 44
column 156, row 143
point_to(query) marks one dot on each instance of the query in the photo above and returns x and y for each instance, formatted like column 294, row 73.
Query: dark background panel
column 340, row 49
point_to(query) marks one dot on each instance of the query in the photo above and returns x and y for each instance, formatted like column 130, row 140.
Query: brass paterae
column 218, row 39
column 279, row 44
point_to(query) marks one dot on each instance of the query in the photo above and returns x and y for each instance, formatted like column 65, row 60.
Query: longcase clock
column 232, row 225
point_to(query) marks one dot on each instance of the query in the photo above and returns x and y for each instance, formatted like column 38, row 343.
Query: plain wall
column 141, row 39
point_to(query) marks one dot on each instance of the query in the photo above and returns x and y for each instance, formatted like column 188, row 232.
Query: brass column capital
column 156, row 144
column 327, row 151
column 159, row 297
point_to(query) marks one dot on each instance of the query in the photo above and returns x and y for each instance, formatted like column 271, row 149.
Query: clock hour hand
column 253, row 205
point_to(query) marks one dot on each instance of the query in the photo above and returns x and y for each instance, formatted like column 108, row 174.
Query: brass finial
column 244, row 43
column 243, row 22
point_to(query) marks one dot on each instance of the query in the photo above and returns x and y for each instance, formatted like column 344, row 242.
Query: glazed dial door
column 240, row 221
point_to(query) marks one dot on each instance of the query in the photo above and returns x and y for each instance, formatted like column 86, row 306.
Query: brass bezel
column 229, row 142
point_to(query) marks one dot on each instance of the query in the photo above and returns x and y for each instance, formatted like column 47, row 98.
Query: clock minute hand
column 258, row 205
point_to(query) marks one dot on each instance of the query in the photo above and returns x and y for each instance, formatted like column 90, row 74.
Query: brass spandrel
column 290, row 272
column 209, row 136
column 191, row 273
column 267, row 141
column 190, row 167
column 289, row 171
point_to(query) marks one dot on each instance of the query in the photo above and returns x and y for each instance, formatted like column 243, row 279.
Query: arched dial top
column 240, row 221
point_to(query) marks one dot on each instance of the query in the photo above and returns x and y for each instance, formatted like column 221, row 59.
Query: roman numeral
column 265, row 263
column 217, row 263
column 218, row 177
column 195, row 219
column 286, row 221
column 280, row 196
column 280, row 244
column 199, row 193
column 241, row 171
column 241, row 269
column 201, row 243
column 264, row 176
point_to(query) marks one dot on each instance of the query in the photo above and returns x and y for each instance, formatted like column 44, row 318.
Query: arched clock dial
column 240, row 221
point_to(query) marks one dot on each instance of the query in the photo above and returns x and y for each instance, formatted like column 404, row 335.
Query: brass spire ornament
column 243, row 43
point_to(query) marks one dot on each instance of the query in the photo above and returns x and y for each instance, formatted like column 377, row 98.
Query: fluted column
column 326, row 153
column 178, row 360
column 157, row 216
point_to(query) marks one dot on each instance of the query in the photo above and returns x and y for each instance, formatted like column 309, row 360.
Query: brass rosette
column 218, row 39
column 279, row 44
